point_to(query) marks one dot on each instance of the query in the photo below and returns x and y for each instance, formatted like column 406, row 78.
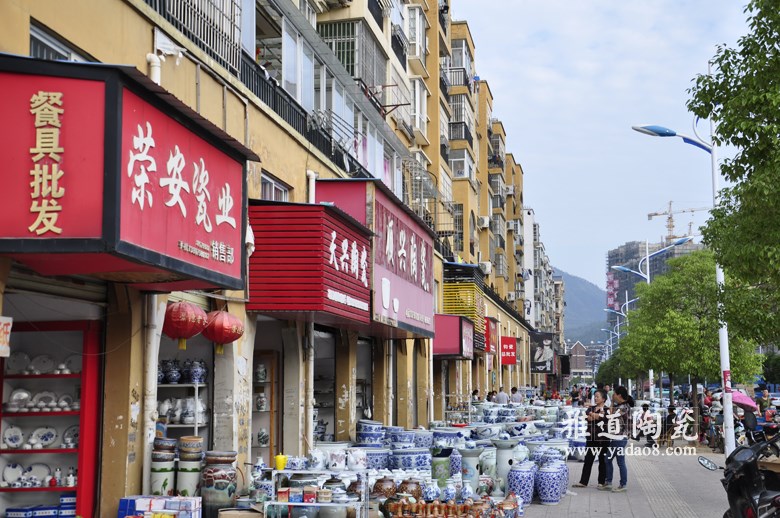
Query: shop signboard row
column 118, row 179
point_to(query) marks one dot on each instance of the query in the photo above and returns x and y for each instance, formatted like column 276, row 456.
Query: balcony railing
column 444, row 8
column 376, row 12
column 459, row 77
column 444, row 151
column 459, row 131
column 400, row 44
column 444, row 84
column 496, row 161
column 284, row 105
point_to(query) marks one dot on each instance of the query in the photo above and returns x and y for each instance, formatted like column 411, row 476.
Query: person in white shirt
column 516, row 396
column 502, row 398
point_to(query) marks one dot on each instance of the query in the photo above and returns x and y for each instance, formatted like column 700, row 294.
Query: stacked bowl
column 369, row 434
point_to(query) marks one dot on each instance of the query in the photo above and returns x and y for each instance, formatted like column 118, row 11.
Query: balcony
column 276, row 98
column 376, row 13
column 459, row 131
column 444, row 84
column 444, row 151
column 444, row 10
column 399, row 44
column 420, row 128
column 496, row 161
column 459, row 77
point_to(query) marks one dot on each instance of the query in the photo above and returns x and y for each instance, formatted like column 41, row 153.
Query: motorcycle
column 752, row 492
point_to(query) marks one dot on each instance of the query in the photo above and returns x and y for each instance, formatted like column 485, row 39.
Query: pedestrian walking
column 516, row 396
column 595, row 443
column 502, row 398
column 617, row 428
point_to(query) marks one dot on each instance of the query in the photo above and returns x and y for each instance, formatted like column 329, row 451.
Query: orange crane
column 670, row 218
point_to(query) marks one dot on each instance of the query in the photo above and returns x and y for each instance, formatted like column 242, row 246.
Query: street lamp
column 646, row 259
column 723, row 333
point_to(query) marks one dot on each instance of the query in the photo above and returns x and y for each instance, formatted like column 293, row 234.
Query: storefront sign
column 144, row 192
column 454, row 337
column 402, row 253
column 491, row 335
column 5, row 336
column 309, row 260
column 508, row 350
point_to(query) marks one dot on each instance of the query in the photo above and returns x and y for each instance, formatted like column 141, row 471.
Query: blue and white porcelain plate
column 46, row 435
column 13, row 437
column 13, row 472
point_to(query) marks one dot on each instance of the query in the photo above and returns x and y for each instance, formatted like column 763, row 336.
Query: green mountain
column 584, row 312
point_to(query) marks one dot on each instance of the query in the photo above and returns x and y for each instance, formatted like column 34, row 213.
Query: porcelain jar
column 456, row 462
column 261, row 402
column 260, row 373
column 162, row 478
column 188, row 478
column 218, row 483
column 412, row 487
column 470, row 467
column 520, row 481
column 449, row 491
column 440, row 465
column 548, row 485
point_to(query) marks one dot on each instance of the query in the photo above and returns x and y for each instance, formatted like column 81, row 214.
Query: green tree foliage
column 742, row 96
column 675, row 328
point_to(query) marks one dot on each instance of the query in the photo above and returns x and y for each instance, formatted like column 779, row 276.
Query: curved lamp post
column 646, row 259
column 723, row 334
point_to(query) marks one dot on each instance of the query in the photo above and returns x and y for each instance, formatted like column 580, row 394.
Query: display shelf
column 10, row 415
column 268, row 419
column 260, row 411
column 36, row 489
column 182, row 385
column 363, row 503
column 315, row 504
column 57, row 339
column 41, row 376
column 185, row 425
column 39, row 451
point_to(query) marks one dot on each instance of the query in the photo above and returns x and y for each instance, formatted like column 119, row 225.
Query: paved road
column 658, row 487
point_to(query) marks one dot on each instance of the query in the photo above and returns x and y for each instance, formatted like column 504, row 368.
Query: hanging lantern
column 223, row 328
column 184, row 320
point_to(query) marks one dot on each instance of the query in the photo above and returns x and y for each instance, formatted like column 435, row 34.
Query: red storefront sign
column 454, row 337
column 508, row 350
column 144, row 191
column 402, row 255
column 310, row 261
column 491, row 335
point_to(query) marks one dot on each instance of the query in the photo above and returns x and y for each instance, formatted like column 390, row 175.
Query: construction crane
column 670, row 218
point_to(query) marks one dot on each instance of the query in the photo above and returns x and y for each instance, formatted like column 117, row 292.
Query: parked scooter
column 752, row 492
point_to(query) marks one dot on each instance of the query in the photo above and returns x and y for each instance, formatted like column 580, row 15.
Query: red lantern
column 223, row 328
column 184, row 320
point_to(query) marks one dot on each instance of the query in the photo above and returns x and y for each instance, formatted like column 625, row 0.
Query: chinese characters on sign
column 508, row 350
column 46, row 175
column 349, row 259
column 649, row 424
column 404, row 252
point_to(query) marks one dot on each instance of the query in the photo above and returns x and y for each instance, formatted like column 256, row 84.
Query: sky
column 569, row 78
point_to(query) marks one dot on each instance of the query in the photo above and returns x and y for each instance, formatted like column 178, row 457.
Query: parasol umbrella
column 743, row 401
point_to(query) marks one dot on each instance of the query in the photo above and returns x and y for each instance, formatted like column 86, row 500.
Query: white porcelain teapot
column 357, row 459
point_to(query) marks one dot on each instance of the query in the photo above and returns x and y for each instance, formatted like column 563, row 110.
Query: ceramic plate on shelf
column 13, row 437
column 72, row 433
column 12, row 472
column 43, row 364
column 73, row 363
column 46, row 435
column 45, row 396
column 17, row 363
column 65, row 400
column 39, row 470
column 20, row 396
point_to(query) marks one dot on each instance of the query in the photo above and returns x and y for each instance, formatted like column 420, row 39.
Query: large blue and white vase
column 548, row 485
column 563, row 469
column 456, row 462
column 520, row 481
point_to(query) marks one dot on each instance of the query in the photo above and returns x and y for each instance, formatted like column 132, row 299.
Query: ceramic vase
column 440, row 466
column 547, row 484
column 487, row 461
column 260, row 373
column 162, row 478
column 455, row 462
column 470, row 467
column 198, row 372
column 520, row 481
column 218, row 483
column 504, row 458
column 172, row 371
column 188, row 478
column 449, row 491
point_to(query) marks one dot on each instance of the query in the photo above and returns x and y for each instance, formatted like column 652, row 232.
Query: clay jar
column 384, row 487
column 412, row 487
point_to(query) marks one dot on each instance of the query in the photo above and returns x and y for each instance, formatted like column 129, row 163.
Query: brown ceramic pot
column 412, row 487
column 384, row 487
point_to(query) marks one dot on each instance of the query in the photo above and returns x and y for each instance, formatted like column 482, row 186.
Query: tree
column 742, row 96
column 675, row 328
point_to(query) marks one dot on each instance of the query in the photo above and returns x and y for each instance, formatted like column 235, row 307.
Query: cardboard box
column 19, row 512
column 46, row 510
column 68, row 498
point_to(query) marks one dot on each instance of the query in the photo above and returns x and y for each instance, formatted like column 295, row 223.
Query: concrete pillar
column 438, row 390
column 123, row 427
column 404, row 380
column 346, row 385
column 382, row 383
column 422, row 379
column 293, row 395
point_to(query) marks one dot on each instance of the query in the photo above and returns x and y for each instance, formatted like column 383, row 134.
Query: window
column 44, row 46
column 419, row 105
column 445, row 187
column 273, row 189
column 290, row 60
column 307, row 78
column 461, row 164
column 416, row 32
column 309, row 12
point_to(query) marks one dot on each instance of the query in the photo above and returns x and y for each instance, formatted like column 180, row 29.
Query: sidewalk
column 662, row 487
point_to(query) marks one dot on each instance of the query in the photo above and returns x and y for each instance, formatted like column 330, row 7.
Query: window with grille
column 355, row 46
column 457, row 238
column 461, row 164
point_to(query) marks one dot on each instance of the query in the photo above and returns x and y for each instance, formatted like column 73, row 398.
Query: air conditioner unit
column 510, row 190
column 510, row 296
column 483, row 221
column 486, row 267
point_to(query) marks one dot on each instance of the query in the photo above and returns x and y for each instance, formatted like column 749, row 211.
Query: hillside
column 584, row 313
